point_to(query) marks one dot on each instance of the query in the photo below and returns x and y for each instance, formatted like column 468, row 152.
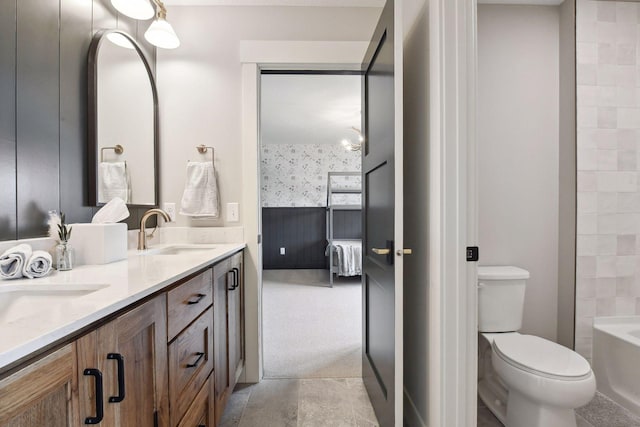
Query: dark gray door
column 379, row 287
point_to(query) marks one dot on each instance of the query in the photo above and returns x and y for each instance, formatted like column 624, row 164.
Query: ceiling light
column 136, row 9
column 120, row 40
column 353, row 146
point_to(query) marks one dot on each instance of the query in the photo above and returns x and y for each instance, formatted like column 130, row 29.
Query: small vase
column 64, row 256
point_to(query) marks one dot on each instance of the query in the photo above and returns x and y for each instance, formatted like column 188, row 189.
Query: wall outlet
column 233, row 212
column 283, row 251
column 170, row 208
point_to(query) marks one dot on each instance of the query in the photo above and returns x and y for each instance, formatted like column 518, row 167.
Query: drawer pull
column 197, row 362
column 98, row 384
column 197, row 300
column 118, row 357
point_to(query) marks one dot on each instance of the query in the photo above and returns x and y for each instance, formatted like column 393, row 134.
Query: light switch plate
column 170, row 208
column 233, row 212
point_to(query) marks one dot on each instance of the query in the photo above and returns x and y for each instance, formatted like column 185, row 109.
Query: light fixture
column 160, row 33
column 136, row 9
column 353, row 146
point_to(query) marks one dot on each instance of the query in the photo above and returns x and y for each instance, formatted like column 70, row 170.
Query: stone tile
column 361, row 405
column 235, row 407
column 272, row 403
column 581, row 422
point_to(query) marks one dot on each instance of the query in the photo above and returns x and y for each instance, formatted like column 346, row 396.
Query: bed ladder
column 332, row 190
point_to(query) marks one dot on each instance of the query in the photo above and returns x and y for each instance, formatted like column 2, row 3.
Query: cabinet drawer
column 190, row 363
column 187, row 301
column 200, row 413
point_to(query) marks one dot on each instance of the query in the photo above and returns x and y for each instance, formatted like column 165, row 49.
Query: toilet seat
column 541, row 357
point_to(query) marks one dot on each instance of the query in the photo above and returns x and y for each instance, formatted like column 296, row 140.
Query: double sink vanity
column 153, row 340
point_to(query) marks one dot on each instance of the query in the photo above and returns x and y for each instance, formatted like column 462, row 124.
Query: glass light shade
column 161, row 34
column 136, row 9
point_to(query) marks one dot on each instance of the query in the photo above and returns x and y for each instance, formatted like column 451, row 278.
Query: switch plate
column 283, row 251
column 170, row 208
column 233, row 212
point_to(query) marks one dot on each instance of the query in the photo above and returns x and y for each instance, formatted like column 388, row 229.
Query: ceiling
column 309, row 109
column 317, row 3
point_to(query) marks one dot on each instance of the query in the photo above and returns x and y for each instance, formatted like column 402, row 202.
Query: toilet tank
column 500, row 298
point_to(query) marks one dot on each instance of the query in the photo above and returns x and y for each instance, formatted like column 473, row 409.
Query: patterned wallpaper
column 295, row 175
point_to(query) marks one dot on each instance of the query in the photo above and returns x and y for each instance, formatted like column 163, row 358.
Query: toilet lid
column 541, row 357
column 501, row 272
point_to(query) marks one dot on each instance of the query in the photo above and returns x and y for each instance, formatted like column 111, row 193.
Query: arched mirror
column 123, row 122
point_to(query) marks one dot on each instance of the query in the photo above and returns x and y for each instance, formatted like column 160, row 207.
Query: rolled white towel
column 13, row 260
column 38, row 265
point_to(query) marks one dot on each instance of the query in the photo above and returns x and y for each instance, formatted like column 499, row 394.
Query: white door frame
column 254, row 57
column 453, row 306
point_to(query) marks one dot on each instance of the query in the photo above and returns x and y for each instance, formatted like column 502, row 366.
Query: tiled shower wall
column 608, row 155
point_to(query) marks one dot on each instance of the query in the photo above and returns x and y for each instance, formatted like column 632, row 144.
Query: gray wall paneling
column 43, row 105
column 302, row 231
column 38, row 113
column 8, row 229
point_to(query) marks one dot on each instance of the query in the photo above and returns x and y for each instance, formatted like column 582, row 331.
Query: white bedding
column 349, row 257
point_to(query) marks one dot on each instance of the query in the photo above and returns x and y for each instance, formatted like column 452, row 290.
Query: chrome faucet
column 142, row 234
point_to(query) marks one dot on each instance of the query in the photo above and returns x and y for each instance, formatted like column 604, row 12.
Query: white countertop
column 120, row 284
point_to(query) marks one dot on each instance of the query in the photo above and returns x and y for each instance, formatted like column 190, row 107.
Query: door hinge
column 473, row 253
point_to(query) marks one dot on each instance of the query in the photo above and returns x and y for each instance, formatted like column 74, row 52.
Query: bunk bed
column 344, row 250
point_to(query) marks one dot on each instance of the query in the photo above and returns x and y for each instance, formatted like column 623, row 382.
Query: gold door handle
column 401, row 252
column 381, row 251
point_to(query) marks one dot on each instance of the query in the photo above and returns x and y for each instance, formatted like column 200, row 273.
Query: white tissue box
column 99, row 243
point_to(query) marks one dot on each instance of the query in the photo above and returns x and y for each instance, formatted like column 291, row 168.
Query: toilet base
column 523, row 412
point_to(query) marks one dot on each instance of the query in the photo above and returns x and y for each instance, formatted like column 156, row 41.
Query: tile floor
column 333, row 402
column 600, row 412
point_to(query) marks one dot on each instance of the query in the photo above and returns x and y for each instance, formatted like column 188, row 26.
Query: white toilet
column 526, row 381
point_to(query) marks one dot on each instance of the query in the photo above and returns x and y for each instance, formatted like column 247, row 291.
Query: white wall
column 518, row 149
column 199, row 84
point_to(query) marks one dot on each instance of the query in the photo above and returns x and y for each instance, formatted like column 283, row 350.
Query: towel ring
column 202, row 149
column 118, row 149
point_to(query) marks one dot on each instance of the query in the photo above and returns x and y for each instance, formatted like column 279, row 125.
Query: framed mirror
column 123, row 122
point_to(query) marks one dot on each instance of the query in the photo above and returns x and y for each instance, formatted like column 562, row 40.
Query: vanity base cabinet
column 220, row 336
column 131, row 354
column 201, row 413
column 235, row 316
column 228, row 303
column 42, row 394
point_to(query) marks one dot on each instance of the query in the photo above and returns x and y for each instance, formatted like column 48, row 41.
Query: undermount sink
column 19, row 301
column 180, row 249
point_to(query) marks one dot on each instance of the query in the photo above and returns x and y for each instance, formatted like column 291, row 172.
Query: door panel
column 382, row 326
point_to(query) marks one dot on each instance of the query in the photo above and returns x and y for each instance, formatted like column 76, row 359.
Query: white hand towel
column 38, row 265
column 200, row 197
column 113, row 181
column 12, row 261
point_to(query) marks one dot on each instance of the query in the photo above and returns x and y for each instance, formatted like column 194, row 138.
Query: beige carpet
column 310, row 330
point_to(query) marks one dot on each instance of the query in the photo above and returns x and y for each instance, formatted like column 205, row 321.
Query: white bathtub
column 616, row 359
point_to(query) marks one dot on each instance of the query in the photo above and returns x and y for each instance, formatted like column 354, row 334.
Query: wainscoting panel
column 301, row 231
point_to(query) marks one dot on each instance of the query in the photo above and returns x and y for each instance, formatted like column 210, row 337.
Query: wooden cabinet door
column 132, row 355
column 220, row 338
column 42, row 394
column 235, row 318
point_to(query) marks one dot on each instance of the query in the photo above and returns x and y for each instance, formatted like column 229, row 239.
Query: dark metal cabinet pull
column 121, row 393
column 194, row 364
column 99, row 393
column 233, row 281
column 198, row 299
column 236, row 277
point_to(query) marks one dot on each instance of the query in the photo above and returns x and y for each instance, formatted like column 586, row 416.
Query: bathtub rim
column 619, row 327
